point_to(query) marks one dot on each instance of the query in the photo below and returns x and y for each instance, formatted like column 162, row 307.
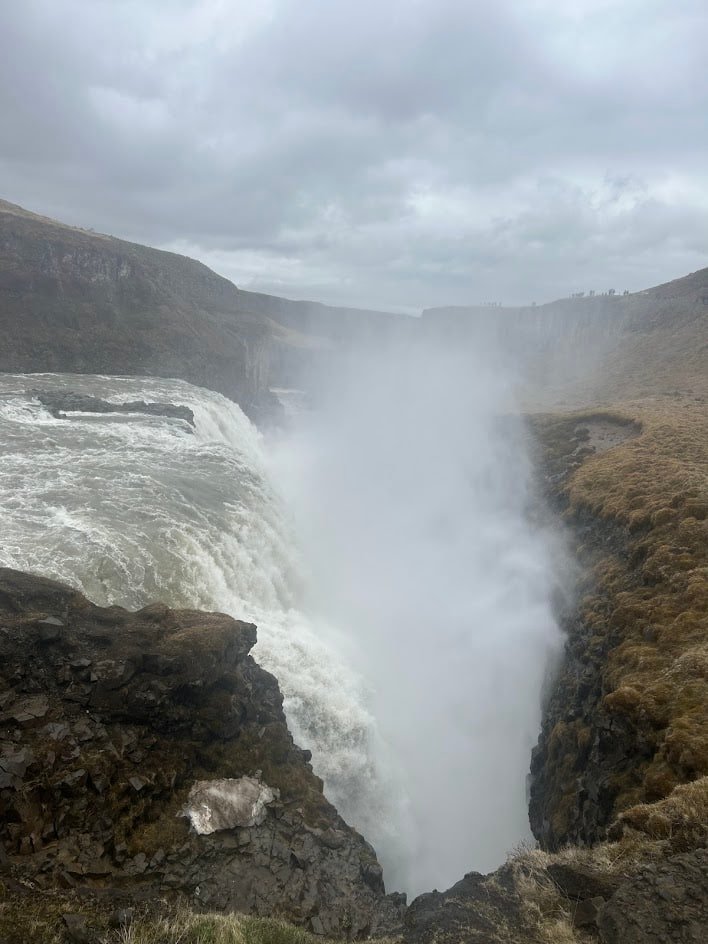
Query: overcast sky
column 380, row 153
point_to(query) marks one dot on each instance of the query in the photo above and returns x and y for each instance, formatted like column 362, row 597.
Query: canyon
column 110, row 717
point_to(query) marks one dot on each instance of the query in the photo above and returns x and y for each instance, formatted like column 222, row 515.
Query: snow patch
column 226, row 804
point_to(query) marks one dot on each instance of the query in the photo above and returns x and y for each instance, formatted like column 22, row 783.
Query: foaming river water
column 135, row 508
column 131, row 508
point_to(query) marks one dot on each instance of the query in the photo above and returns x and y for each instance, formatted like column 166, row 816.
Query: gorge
column 407, row 602
column 407, row 624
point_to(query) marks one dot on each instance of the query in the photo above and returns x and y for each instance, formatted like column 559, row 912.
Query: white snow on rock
column 226, row 804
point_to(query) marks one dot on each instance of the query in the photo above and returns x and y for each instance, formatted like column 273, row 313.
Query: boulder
column 663, row 903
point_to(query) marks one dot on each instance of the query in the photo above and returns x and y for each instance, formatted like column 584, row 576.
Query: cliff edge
column 145, row 756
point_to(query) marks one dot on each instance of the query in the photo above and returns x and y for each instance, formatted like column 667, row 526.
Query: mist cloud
column 412, row 492
column 400, row 154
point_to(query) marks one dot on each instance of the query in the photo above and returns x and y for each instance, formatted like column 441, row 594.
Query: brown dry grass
column 185, row 927
column 655, row 488
column 644, row 834
column 644, row 611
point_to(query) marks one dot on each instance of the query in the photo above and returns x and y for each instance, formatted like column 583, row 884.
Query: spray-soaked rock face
column 106, row 722
column 226, row 804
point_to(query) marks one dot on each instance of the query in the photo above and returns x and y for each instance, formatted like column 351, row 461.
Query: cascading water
column 405, row 610
column 134, row 508
column 413, row 493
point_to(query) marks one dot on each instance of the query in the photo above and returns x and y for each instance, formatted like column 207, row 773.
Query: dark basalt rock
column 59, row 403
column 580, row 883
column 582, row 751
column 105, row 727
column 663, row 903
column 444, row 916
column 479, row 909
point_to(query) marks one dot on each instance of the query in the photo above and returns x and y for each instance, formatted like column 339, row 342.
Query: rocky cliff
column 76, row 301
column 599, row 349
column 116, row 724
column 626, row 722
column 79, row 302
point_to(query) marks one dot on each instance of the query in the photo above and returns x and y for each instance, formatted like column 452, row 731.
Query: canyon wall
column 111, row 719
column 77, row 301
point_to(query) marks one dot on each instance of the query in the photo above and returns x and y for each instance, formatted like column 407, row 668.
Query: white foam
column 135, row 511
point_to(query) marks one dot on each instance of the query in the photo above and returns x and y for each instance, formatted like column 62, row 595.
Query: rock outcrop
column 61, row 402
column 617, row 894
column 109, row 719
column 663, row 903
column 479, row 909
column 73, row 301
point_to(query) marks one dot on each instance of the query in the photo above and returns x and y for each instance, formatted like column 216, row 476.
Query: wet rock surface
column 106, row 724
column 60, row 403
column 479, row 909
column 664, row 903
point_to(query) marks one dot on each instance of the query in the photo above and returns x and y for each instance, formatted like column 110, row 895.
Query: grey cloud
column 400, row 153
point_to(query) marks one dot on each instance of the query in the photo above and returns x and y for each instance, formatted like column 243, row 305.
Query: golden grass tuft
column 681, row 817
column 547, row 910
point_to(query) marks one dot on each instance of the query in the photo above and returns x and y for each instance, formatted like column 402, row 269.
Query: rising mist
column 414, row 497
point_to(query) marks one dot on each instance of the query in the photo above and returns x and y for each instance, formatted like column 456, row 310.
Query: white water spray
column 411, row 646
column 413, row 491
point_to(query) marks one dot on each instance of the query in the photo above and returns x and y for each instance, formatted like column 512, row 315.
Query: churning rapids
column 420, row 716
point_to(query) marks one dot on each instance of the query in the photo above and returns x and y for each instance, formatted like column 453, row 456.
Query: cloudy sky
column 381, row 153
